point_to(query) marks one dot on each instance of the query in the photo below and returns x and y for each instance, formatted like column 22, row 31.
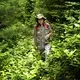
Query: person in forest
column 42, row 34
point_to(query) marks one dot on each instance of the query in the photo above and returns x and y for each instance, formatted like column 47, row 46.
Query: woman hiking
column 42, row 34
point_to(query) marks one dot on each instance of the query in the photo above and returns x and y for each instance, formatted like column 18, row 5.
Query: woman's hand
column 47, row 36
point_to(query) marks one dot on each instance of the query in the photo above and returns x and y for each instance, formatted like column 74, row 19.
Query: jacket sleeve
column 49, row 34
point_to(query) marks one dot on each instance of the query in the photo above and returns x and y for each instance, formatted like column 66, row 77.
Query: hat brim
column 41, row 18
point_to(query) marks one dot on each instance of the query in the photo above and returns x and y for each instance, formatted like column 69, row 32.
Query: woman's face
column 40, row 21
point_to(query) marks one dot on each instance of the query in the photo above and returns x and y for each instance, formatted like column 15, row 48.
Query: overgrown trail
column 18, row 58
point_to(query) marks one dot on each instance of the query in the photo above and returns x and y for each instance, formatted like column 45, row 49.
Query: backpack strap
column 46, row 25
column 36, row 27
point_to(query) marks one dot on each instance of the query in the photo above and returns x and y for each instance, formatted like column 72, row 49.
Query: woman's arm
column 49, row 34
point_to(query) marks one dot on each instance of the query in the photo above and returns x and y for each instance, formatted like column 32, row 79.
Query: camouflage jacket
column 39, row 34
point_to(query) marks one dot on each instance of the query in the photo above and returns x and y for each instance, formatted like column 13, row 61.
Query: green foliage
column 18, row 58
column 15, row 11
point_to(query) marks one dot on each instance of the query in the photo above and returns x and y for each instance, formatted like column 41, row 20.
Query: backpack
column 46, row 25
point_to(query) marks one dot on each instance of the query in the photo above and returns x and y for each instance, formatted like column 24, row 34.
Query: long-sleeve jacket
column 40, row 34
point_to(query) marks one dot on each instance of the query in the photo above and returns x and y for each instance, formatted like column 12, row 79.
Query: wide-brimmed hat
column 40, row 16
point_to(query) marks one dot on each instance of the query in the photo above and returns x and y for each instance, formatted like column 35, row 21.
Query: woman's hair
column 39, row 23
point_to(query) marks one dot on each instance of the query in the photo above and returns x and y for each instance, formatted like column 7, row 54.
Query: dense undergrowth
column 18, row 58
